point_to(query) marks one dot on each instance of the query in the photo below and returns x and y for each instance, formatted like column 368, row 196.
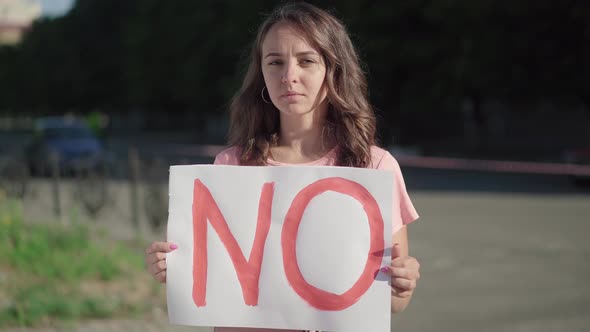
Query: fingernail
column 385, row 269
column 173, row 246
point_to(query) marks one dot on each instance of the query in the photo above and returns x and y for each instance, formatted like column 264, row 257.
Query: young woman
column 304, row 101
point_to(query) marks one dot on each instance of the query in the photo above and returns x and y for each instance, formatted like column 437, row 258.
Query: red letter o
column 316, row 297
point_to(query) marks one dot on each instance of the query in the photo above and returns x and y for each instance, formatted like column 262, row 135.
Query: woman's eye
column 275, row 62
column 307, row 61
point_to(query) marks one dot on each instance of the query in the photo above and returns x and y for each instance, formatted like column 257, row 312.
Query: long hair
column 254, row 124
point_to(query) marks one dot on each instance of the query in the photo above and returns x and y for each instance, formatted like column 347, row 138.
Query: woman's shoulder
column 382, row 159
column 228, row 156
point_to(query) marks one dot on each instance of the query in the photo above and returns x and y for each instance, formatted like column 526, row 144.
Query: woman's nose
column 289, row 74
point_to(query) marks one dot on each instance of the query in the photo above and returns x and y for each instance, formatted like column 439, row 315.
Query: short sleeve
column 403, row 212
column 228, row 156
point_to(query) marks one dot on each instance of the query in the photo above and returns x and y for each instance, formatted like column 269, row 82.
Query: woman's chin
column 294, row 110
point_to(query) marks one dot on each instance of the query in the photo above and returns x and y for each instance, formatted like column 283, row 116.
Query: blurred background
column 485, row 104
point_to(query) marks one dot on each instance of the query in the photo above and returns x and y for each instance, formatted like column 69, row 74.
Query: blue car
column 67, row 143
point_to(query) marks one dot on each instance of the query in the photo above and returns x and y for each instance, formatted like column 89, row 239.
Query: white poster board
column 280, row 247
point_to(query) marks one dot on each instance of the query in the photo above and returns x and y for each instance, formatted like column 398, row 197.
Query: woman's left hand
column 404, row 272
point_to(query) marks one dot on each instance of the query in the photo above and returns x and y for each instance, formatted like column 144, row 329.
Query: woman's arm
column 404, row 271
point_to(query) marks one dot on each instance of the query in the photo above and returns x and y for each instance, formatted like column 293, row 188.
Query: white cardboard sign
column 280, row 247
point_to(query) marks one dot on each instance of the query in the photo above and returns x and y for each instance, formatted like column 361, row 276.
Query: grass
column 52, row 272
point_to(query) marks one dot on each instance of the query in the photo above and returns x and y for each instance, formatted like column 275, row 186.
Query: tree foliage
column 422, row 57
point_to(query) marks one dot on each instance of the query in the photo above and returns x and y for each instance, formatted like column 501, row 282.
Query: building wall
column 16, row 16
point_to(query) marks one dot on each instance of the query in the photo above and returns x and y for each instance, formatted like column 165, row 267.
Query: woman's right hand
column 155, row 259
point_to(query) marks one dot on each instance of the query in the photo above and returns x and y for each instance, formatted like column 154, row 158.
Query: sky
column 54, row 8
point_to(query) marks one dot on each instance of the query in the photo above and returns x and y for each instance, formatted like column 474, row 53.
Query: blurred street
column 499, row 252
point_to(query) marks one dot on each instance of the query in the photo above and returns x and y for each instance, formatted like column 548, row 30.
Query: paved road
column 499, row 252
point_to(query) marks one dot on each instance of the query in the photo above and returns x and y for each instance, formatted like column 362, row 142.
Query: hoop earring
column 262, row 95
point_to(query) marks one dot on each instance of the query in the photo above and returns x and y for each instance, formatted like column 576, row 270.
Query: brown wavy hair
column 254, row 124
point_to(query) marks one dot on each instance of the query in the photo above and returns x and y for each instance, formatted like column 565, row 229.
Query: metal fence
column 128, row 193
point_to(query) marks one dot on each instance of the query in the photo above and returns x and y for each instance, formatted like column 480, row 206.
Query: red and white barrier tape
column 439, row 162
column 494, row 165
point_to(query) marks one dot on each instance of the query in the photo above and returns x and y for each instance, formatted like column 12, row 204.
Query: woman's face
column 293, row 71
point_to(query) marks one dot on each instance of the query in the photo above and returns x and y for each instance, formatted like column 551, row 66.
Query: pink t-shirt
column 403, row 209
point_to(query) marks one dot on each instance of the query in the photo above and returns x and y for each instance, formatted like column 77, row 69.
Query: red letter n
column 248, row 272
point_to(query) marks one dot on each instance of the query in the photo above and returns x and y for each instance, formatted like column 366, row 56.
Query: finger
column 403, row 284
column 160, row 265
column 405, row 273
column 396, row 251
column 157, row 267
column 160, row 247
column 399, row 272
column 406, row 262
column 153, row 258
column 400, row 293
column 161, row 277
column 159, row 256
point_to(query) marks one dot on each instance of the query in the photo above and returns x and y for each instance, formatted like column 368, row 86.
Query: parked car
column 65, row 142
